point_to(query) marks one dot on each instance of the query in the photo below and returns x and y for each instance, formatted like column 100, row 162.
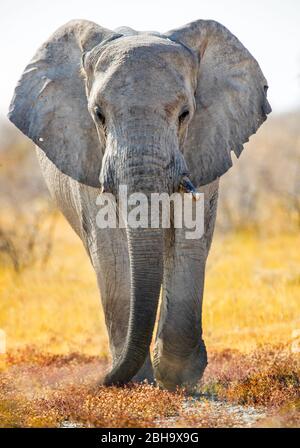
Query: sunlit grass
column 56, row 306
column 57, row 343
column 252, row 295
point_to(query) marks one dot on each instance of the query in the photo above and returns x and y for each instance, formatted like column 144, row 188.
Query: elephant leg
column 180, row 354
column 110, row 260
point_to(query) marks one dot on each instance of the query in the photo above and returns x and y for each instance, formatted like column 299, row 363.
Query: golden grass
column 252, row 296
column 57, row 342
column 56, row 306
column 49, row 391
column 46, row 390
column 252, row 293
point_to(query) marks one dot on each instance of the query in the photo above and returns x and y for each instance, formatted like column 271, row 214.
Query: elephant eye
column 99, row 114
column 183, row 116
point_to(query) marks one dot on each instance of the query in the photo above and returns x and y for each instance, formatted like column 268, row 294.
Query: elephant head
column 145, row 110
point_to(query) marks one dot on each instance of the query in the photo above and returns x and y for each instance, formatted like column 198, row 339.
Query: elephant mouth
column 186, row 186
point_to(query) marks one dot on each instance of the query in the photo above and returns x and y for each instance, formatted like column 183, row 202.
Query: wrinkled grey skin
column 142, row 82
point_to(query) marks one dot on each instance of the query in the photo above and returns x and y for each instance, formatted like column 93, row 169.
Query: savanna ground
column 55, row 333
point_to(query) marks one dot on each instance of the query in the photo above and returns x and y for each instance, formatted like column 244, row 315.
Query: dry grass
column 56, row 306
column 39, row 390
column 57, row 343
column 268, row 376
column 252, row 291
column 43, row 390
column 26, row 239
column 252, row 296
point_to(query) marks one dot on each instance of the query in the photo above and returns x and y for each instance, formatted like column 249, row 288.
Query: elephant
column 142, row 109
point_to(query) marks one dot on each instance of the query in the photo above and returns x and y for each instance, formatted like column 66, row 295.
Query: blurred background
column 50, row 313
column 259, row 209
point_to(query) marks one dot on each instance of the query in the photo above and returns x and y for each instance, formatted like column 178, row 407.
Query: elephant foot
column 173, row 371
column 145, row 374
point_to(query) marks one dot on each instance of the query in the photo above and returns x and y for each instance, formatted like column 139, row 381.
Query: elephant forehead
column 144, row 46
column 143, row 65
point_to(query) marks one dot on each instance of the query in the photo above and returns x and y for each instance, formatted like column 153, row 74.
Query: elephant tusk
column 186, row 186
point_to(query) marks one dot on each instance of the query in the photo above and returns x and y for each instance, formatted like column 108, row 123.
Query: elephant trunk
column 145, row 248
column 145, row 252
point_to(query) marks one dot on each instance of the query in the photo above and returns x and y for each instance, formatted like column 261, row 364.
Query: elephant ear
column 50, row 104
column 230, row 96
